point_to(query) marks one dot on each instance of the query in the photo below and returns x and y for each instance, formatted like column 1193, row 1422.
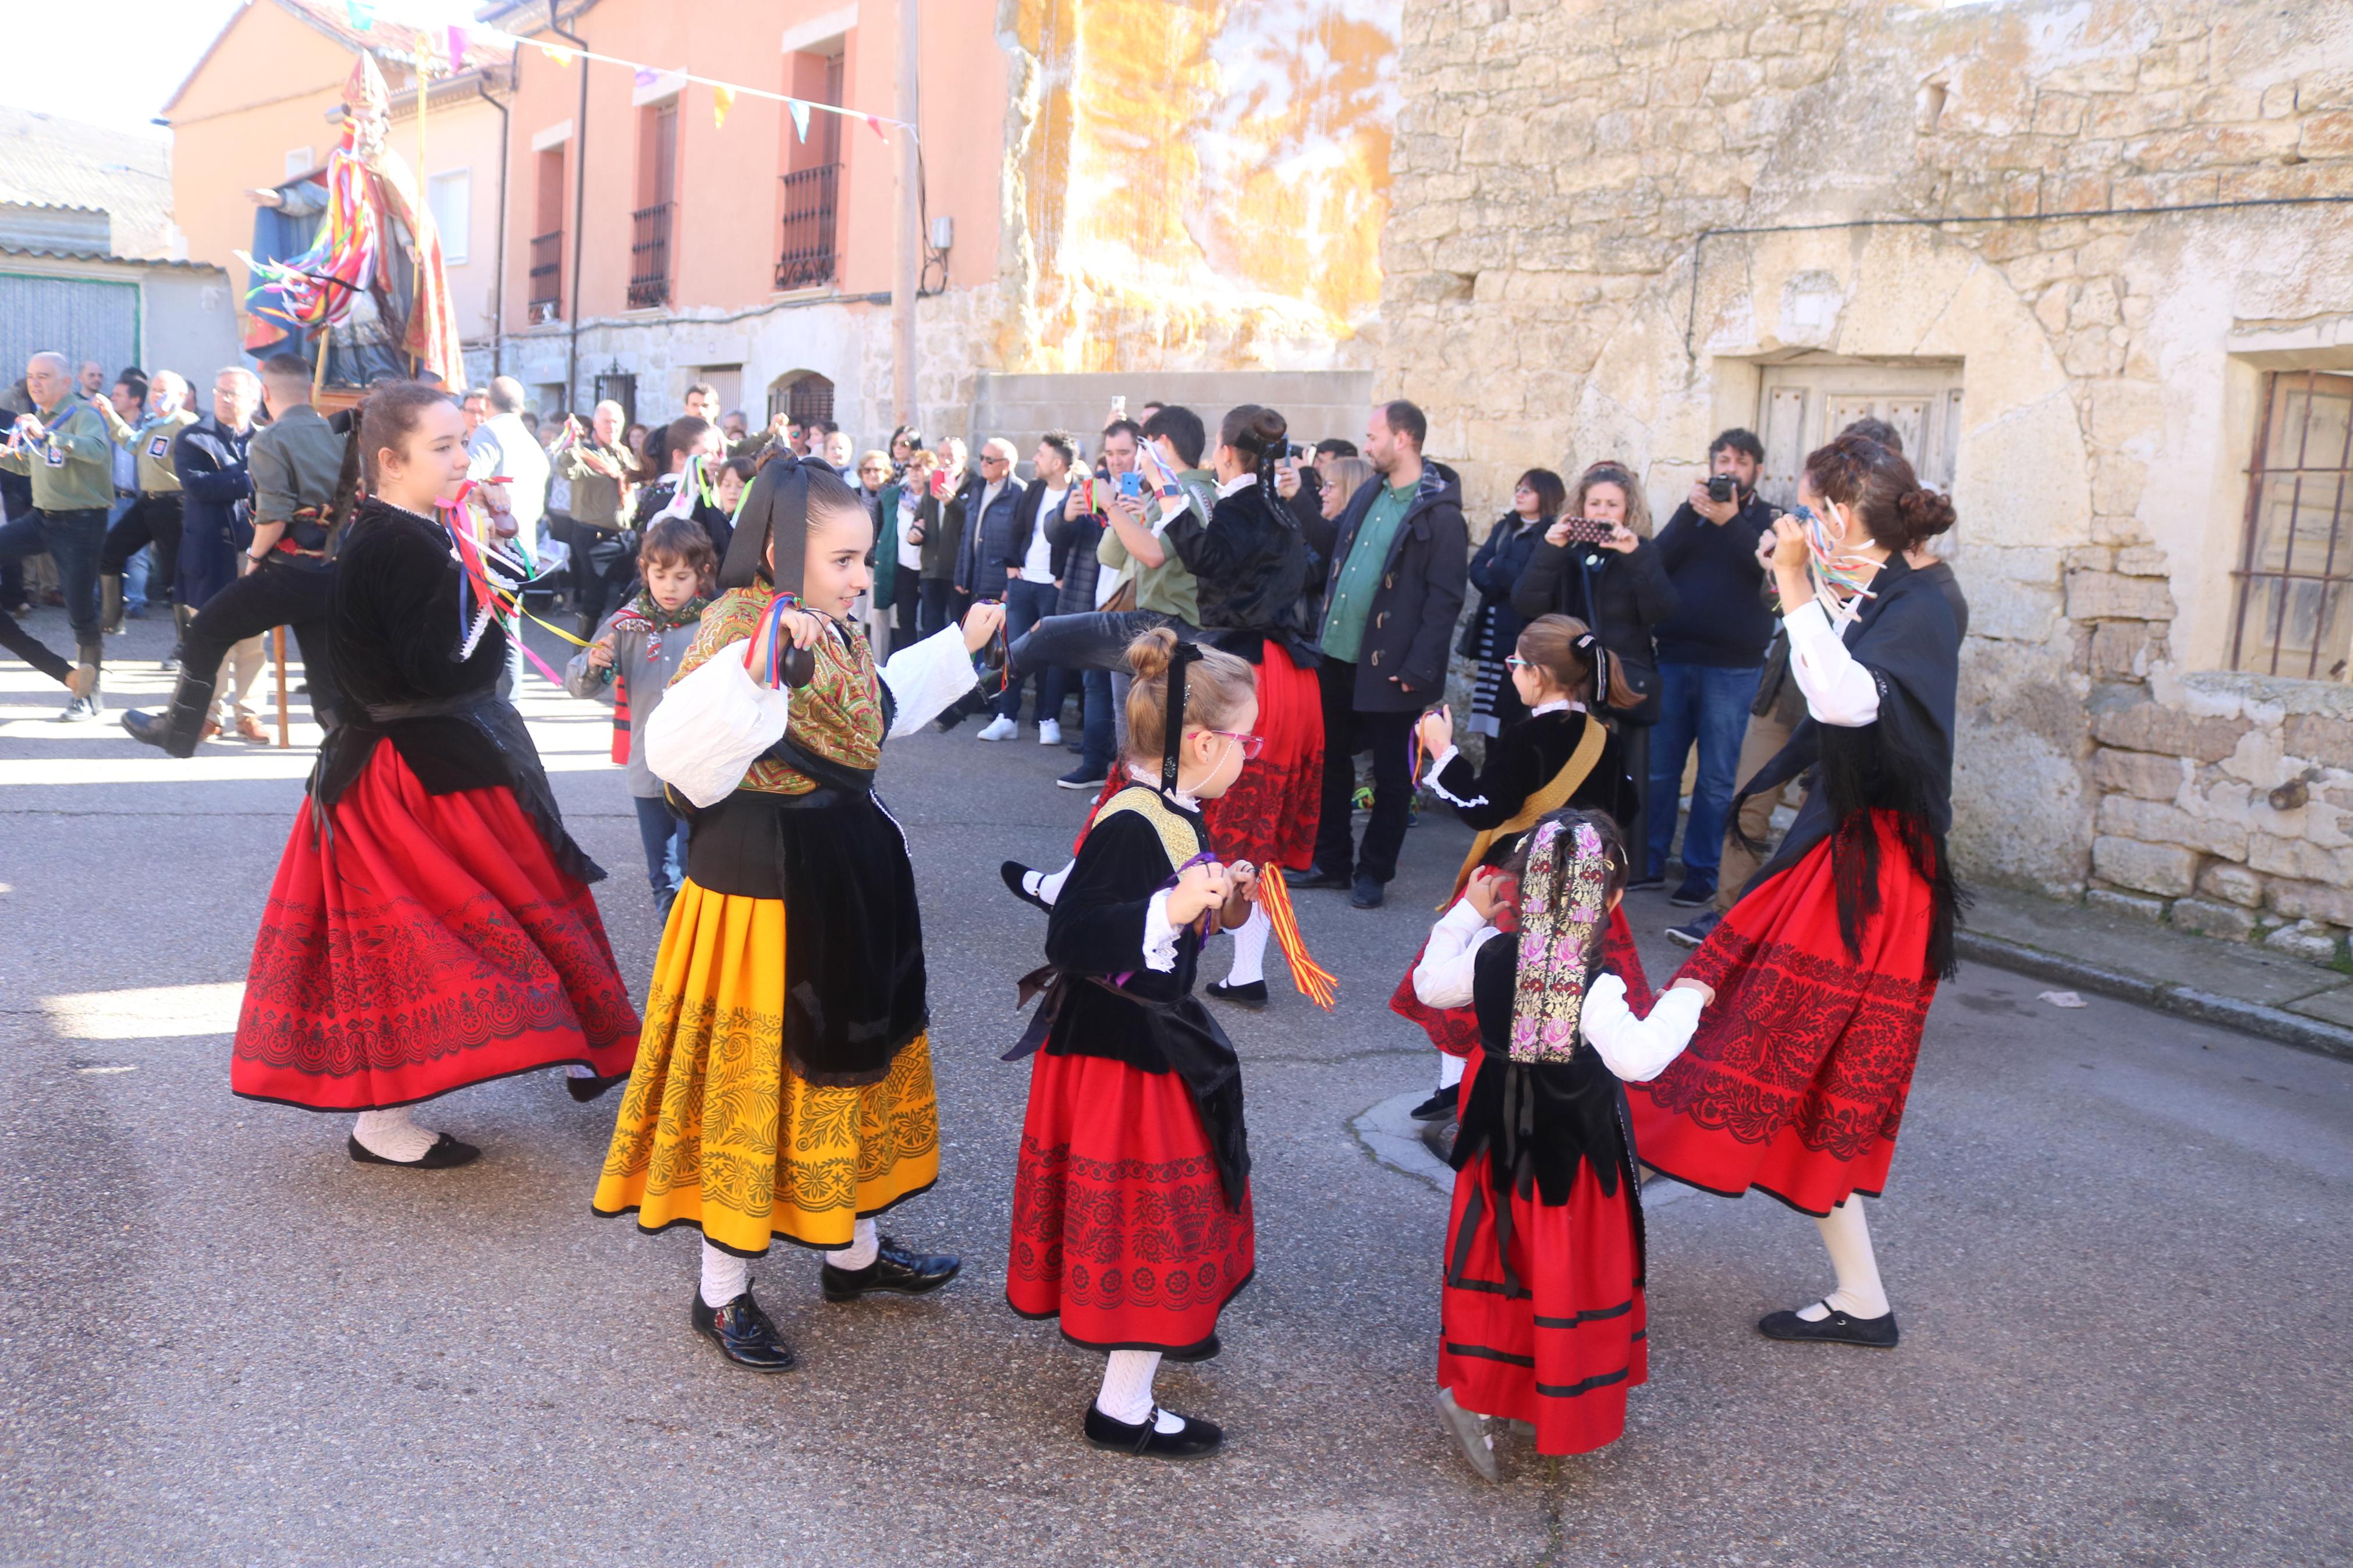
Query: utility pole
column 910, row 226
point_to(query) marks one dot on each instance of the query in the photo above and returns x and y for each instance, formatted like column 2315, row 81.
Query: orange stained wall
column 727, row 230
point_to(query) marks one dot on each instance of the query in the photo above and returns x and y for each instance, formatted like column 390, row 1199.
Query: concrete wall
column 1549, row 297
column 1024, row 407
column 188, row 324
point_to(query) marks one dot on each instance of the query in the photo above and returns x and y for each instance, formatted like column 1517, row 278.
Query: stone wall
column 1559, row 288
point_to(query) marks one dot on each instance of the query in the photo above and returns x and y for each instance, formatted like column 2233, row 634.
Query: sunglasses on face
column 1251, row 744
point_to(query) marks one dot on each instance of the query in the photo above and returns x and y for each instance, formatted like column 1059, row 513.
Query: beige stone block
column 1788, row 73
column 2313, row 941
column 2168, row 68
column 2125, row 411
column 2155, row 822
column 2318, row 738
column 2327, row 135
column 2297, row 857
column 2154, row 727
column 2110, row 595
column 2132, row 906
column 1734, row 79
column 2221, row 104
column 2139, row 773
column 2166, row 870
column 1774, row 36
column 2279, row 101
column 2137, row 114
column 2226, row 921
column 2051, row 307
column 2097, row 303
column 2123, row 650
column 2232, row 885
column 2142, row 560
column 2087, row 354
column 2058, row 113
column 2207, row 146
column 2311, row 902
column 2074, row 192
column 2168, row 190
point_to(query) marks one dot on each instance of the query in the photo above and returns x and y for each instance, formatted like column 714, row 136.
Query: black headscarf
column 777, row 509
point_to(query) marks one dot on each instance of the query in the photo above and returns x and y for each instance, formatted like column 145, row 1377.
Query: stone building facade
column 2089, row 254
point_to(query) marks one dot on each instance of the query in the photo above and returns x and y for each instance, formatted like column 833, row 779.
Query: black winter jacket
column 1494, row 571
column 1249, row 562
column 1621, row 596
column 1401, row 667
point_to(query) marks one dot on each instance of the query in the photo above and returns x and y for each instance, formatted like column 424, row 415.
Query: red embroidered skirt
column 1119, row 1225
column 430, row 943
column 1796, row 1080
column 1268, row 817
column 1561, row 1355
column 1455, row 1030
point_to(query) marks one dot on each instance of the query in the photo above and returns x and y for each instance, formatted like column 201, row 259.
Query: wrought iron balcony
column 811, row 204
column 546, row 277
column 649, row 256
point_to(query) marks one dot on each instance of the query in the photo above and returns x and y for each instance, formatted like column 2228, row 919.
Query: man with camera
column 1710, row 651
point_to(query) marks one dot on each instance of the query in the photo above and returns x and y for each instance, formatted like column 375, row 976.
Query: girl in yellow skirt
column 783, row 1087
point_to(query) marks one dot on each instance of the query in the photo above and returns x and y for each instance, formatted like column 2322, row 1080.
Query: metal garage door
column 81, row 318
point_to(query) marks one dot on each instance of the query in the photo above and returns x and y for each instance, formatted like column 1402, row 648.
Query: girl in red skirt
column 1542, row 1319
column 1130, row 1208
column 1249, row 565
column 431, row 925
column 1557, row 754
column 1796, row 1082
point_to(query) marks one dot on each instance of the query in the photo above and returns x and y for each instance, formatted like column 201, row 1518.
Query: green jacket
column 75, row 472
column 151, row 443
column 1169, row 588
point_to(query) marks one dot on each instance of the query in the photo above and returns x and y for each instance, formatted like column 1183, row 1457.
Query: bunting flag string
column 722, row 99
column 799, row 112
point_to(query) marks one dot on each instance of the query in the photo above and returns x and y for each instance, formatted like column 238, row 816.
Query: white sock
column 1126, row 1394
column 1449, row 1070
column 861, row 1250
column 1048, row 885
column 394, row 1134
column 1250, row 947
column 724, row 1275
column 1858, row 1293
column 578, row 1069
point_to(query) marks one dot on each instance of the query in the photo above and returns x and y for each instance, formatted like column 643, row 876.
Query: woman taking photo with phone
column 1494, row 629
column 1596, row 563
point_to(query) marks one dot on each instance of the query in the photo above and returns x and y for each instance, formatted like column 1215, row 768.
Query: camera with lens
column 1722, row 488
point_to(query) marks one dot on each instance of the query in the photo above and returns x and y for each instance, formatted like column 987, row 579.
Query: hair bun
column 1149, row 653
column 1926, row 513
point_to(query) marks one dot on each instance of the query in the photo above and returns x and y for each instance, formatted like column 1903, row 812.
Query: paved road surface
column 2115, row 1240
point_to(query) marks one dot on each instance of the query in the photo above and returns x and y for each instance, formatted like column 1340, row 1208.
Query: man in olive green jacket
column 66, row 451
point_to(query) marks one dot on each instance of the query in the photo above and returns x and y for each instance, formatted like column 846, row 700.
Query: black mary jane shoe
column 1192, row 1356
column 1316, row 877
column 1013, row 871
column 1439, row 1106
column 895, row 1270
column 743, row 1333
column 1197, row 1439
column 1252, row 994
column 1366, row 894
column 1838, row 1329
column 446, row 1153
column 585, row 1089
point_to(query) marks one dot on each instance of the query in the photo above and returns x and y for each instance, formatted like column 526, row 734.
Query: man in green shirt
column 155, row 517
column 66, row 451
column 1400, row 556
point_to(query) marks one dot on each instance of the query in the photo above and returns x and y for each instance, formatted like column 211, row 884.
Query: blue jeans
column 74, row 541
column 934, row 604
column 664, row 836
column 1101, row 739
column 1710, row 705
column 1027, row 604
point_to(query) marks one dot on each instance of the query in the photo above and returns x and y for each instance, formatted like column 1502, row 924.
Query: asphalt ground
column 2114, row 1240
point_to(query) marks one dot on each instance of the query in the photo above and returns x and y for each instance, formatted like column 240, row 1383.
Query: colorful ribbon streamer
column 1314, row 981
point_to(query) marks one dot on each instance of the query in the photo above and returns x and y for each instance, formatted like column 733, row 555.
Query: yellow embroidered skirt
column 714, row 1131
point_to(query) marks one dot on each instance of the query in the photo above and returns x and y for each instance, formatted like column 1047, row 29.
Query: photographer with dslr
column 1598, row 564
column 1710, row 652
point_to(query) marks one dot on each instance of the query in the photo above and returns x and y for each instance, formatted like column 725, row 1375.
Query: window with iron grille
column 2295, row 568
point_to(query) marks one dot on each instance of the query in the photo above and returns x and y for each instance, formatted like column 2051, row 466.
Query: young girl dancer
column 1560, row 755
column 784, row 1088
column 1796, row 1083
column 430, row 926
column 1542, row 1319
column 641, row 645
column 1131, row 1209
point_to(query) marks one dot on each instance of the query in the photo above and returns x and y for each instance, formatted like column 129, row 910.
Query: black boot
column 895, row 1270
column 179, row 728
column 110, row 605
column 743, row 1333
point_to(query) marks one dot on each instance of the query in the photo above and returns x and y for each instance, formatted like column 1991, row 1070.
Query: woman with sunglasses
column 1494, row 626
column 1596, row 563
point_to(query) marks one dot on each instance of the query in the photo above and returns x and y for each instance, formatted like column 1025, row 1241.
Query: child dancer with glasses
column 1561, row 754
column 1131, row 1207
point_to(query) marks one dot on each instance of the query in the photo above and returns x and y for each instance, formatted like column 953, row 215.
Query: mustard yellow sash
column 1549, row 799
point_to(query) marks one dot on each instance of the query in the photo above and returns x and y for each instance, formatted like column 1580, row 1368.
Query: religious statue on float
column 351, row 250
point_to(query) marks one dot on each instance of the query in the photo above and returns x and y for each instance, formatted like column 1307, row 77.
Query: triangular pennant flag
column 362, row 13
column 456, row 48
column 877, row 126
column 561, row 56
column 722, row 99
column 799, row 112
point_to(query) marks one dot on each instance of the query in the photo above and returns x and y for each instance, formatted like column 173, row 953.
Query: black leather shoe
column 1439, row 1106
column 446, row 1153
column 1191, row 1354
column 1250, row 996
column 1197, row 1439
column 956, row 713
column 148, row 727
column 1316, row 877
column 1838, row 1329
column 585, row 1089
column 743, row 1333
column 894, row 1268
column 1367, row 894
column 1013, row 871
